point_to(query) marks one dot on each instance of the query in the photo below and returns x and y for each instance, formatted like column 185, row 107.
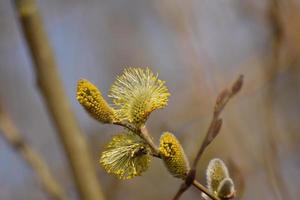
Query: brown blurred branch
column 13, row 137
column 212, row 132
column 56, row 100
column 274, row 65
column 216, row 122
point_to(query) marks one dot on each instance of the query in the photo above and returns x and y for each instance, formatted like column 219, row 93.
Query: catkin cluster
column 135, row 94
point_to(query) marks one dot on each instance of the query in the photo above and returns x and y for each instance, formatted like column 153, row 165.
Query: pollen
column 126, row 156
column 173, row 155
column 92, row 100
column 138, row 92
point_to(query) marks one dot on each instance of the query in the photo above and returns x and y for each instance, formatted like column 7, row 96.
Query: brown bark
column 13, row 137
column 57, row 102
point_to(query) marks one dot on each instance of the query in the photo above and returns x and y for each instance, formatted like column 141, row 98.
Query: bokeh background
column 198, row 48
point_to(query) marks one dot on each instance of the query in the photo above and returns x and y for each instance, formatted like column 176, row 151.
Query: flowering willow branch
column 135, row 94
column 38, row 165
column 212, row 132
column 155, row 152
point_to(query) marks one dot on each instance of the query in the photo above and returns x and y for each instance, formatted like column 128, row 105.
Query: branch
column 274, row 64
column 57, row 102
column 216, row 123
column 212, row 132
column 145, row 135
column 204, row 190
column 13, row 137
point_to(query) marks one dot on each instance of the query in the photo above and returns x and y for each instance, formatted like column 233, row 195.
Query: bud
column 92, row 100
column 226, row 189
column 173, row 155
column 215, row 173
column 237, row 85
column 218, row 180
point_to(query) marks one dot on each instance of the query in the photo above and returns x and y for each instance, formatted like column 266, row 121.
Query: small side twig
column 126, row 125
column 143, row 133
column 212, row 132
column 216, row 123
column 13, row 137
column 204, row 190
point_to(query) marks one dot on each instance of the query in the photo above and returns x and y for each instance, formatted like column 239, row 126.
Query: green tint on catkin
column 91, row 99
column 226, row 189
column 138, row 92
column 218, row 179
column 126, row 156
column 173, row 155
column 215, row 173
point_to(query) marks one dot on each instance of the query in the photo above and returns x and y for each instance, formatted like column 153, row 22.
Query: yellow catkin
column 91, row 99
column 138, row 92
column 173, row 155
column 125, row 156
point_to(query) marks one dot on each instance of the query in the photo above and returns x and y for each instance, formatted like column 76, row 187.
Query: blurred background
column 198, row 48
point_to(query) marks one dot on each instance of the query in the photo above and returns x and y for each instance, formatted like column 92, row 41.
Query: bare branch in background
column 57, row 102
column 238, row 177
column 212, row 132
column 13, row 137
column 271, row 147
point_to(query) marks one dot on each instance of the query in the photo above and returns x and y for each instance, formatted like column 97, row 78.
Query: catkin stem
column 200, row 187
column 145, row 135
column 143, row 132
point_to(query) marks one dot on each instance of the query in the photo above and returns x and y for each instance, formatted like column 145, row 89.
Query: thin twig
column 13, row 137
column 204, row 190
column 212, row 132
column 216, row 122
column 127, row 126
column 57, row 102
column 145, row 135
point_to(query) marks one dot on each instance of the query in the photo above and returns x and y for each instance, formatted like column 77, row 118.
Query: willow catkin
column 138, row 92
column 173, row 155
column 92, row 100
